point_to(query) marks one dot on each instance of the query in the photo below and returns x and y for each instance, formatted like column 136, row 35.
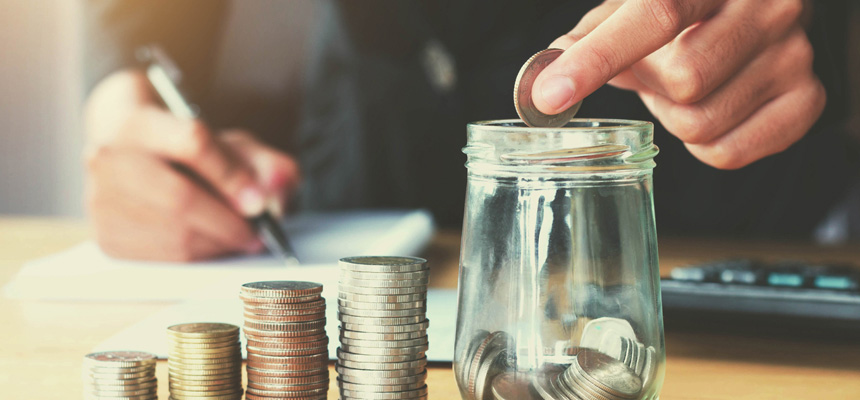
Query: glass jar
column 559, row 287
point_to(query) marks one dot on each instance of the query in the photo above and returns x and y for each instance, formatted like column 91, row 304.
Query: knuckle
column 692, row 126
column 667, row 15
column 685, row 82
column 800, row 51
column 787, row 12
column 604, row 59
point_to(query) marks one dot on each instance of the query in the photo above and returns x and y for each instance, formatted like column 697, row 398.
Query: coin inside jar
column 523, row 102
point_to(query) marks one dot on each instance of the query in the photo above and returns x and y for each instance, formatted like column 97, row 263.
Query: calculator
column 750, row 295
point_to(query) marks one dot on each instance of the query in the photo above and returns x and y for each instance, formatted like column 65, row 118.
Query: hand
column 732, row 79
column 144, row 207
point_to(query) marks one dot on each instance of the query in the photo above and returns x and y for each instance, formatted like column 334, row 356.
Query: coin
column 395, row 337
column 607, row 373
column 510, row 386
column 388, row 344
column 406, row 394
column 399, row 380
column 203, row 330
column 373, row 262
column 358, row 305
column 375, row 322
column 523, row 92
column 383, row 298
column 419, row 363
column 368, row 326
column 385, row 351
column 409, row 312
column 278, row 289
column 394, row 276
column 286, row 340
column 382, row 290
column 119, row 374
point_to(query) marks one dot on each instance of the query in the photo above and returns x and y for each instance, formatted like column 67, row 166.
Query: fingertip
column 554, row 94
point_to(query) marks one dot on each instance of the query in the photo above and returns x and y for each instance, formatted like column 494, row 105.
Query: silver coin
column 401, row 380
column 369, row 298
column 383, row 283
column 119, row 359
column 382, row 290
column 542, row 382
column 344, row 355
column 608, row 373
column 573, row 381
column 375, row 322
column 358, row 305
column 374, row 261
column 373, row 374
column 491, row 367
column 382, row 268
column 409, row 312
column 511, row 386
column 392, row 276
column 406, row 394
column 366, row 326
column 299, row 287
column 375, row 366
column 648, row 367
column 523, row 92
column 372, row 336
column 359, row 387
column 386, row 351
column 462, row 367
column 385, row 344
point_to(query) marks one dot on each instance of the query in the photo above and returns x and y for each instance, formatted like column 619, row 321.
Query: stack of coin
column 593, row 376
column 286, row 340
column 120, row 374
column 204, row 361
column 383, row 328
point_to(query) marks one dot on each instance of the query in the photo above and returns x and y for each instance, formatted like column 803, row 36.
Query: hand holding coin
column 733, row 79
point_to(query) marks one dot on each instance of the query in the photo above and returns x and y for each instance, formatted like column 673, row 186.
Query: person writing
column 389, row 87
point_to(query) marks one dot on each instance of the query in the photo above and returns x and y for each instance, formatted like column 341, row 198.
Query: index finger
column 635, row 30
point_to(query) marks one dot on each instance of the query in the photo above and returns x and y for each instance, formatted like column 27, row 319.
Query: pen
column 162, row 73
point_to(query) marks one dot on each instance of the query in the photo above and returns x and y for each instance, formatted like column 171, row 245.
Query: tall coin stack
column 120, row 374
column 382, row 304
column 204, row 361
column 286, row 340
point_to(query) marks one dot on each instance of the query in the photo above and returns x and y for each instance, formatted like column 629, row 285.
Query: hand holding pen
column 143, row 207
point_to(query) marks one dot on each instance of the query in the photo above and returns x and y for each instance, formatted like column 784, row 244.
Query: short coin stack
column 120, row 374
column 286, row 340
column 593, row 376
column 204, row 361
column 383, row 328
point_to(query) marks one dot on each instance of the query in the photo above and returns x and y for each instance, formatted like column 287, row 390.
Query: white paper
column 85, row 273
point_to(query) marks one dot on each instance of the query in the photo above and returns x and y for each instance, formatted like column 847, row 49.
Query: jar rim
column 576, row 124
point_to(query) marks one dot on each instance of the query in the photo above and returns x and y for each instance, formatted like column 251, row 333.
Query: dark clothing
column 377, row 131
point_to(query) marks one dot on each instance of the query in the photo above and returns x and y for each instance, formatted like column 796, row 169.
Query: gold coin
column 203, row 330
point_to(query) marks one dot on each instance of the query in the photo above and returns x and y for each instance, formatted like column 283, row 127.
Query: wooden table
column 43, row 342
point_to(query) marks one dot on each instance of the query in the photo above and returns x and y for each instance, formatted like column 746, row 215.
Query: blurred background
column 40, row 143
column 41, row 47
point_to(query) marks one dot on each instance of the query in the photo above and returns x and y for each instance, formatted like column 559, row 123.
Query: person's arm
column 733, row 79
column 159, row 187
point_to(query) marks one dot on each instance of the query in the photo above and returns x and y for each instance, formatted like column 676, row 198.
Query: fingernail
column 557, row 91
column 251, row 201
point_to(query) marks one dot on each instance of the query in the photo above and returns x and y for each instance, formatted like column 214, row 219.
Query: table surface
column 44, row 342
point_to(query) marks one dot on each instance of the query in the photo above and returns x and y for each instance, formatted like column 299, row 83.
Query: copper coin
column 523, row 92
column 254, row 372
column 276, row 340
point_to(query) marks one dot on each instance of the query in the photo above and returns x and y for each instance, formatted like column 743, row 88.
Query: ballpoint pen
column 162, row 73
